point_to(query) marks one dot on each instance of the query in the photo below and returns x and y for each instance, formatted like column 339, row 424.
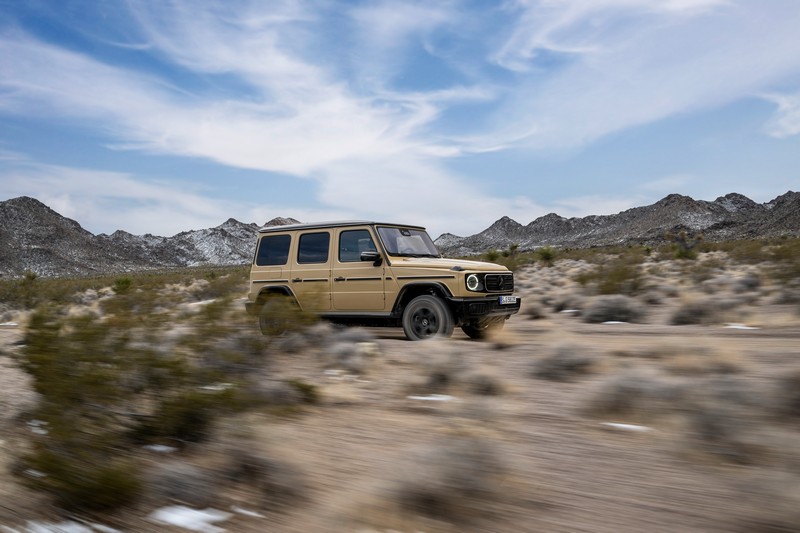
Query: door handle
column 338, row 279
column 296, row 280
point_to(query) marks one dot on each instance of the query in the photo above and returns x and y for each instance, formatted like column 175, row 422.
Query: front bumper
column 472, row 308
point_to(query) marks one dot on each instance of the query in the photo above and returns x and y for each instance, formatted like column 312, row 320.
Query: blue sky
column 162, row 116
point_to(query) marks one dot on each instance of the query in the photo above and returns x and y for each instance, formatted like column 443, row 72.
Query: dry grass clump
column 699, row 360
column 567, row 301
column 452, row 480
column 633, row 394
column 705, row 311
column 534, row 312
column 567, row 362
column 277, row 482
column 726, row 432
column 181, row 482
column 615, row 307
column 484, row 383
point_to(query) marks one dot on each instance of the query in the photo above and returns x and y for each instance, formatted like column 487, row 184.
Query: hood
column 446, row 264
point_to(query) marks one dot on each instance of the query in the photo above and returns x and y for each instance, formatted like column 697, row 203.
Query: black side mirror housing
column 375, row 257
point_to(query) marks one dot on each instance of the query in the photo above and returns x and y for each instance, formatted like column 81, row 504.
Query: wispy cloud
column 621, row 63
column 786, row 121
column 323, row 92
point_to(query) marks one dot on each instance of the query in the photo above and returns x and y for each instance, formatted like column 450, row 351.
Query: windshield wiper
column 415, row 255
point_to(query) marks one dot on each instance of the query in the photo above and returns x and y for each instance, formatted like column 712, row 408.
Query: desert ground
column 586, row 413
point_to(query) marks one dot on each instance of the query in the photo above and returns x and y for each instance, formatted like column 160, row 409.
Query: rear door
column 357, row 285
column 311, row 270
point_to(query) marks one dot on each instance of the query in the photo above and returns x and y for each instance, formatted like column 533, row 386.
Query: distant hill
column 729, row 217
column 35, row 238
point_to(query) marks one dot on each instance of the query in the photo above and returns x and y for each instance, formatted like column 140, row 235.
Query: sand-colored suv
column 375, row 274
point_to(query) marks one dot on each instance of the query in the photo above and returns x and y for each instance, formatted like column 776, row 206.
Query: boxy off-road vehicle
column 375, row 274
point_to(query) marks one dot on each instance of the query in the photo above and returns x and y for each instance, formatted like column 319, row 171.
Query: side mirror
column 375, row 257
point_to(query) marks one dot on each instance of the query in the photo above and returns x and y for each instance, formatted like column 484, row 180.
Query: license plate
column 505, row 300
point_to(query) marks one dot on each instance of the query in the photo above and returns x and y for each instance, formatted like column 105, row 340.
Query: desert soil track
column 564, row 471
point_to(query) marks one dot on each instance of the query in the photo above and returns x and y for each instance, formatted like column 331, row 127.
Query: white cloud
column 103, row 202
column 320, row 104
column 786, row 121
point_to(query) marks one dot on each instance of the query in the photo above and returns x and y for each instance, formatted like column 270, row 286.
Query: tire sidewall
column 439, row 310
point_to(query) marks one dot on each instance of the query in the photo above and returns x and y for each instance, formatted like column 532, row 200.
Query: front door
column 357, row 284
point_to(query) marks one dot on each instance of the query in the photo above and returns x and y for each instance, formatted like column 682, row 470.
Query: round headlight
column 473, row 283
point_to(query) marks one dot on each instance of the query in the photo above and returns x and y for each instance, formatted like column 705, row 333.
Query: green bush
column 546, row 254
column 109, row 384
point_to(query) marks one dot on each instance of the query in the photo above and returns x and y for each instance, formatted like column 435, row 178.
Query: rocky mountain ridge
column 729, row 217
column 35, row 238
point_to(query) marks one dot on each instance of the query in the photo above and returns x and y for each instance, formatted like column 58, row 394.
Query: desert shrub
column 696, row 312
column 567, row 301
column 308, row 392
column 279, row 483
column 747, row 283
column 724, row 432
column 484, row 384
column 452, row 480
column 613, row 308
column 697, row 361
column 182, row 482
column 685, row 244
column 106, row 385
column 184, row 417
column 122, row 285
column 491, row 255
column 620, row 275
column 82, row 476
column 534, row 312
column 633, row 394
column 564, row 364
column 546, row 254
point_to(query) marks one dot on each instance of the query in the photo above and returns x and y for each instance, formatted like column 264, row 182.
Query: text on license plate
column 504, row 300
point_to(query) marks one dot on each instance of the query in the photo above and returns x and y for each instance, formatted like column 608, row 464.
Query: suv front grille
column 499, row 282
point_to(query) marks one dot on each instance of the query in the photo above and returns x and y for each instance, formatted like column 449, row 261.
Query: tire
column 275, row 317
column 482, row 330
column 426, row 317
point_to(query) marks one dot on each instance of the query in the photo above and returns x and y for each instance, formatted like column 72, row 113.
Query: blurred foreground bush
column 107, row 384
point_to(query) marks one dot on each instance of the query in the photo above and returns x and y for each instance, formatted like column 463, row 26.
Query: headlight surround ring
column 474, row 283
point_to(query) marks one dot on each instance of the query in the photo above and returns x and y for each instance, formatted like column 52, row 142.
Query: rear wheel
column 481, row 330
column 275, row 317
column 426, row 317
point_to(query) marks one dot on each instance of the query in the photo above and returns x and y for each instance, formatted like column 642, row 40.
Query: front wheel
column 482, row 330
column 426, row 317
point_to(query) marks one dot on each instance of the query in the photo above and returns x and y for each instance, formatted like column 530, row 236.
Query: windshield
column 407, row 242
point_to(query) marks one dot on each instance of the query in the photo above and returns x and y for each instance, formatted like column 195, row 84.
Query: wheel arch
column 273, row 290
column 412, row 290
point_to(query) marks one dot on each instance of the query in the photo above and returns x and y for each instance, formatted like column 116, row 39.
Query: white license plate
column 504, row 300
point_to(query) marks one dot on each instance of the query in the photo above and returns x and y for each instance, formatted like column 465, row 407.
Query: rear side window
column 313, row 248
column 273, row 250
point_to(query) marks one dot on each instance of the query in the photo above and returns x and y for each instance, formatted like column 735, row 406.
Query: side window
column 313, row 248
column 352, row 243
column 273, row 250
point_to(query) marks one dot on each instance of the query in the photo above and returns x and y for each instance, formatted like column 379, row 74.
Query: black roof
column 334, row 224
